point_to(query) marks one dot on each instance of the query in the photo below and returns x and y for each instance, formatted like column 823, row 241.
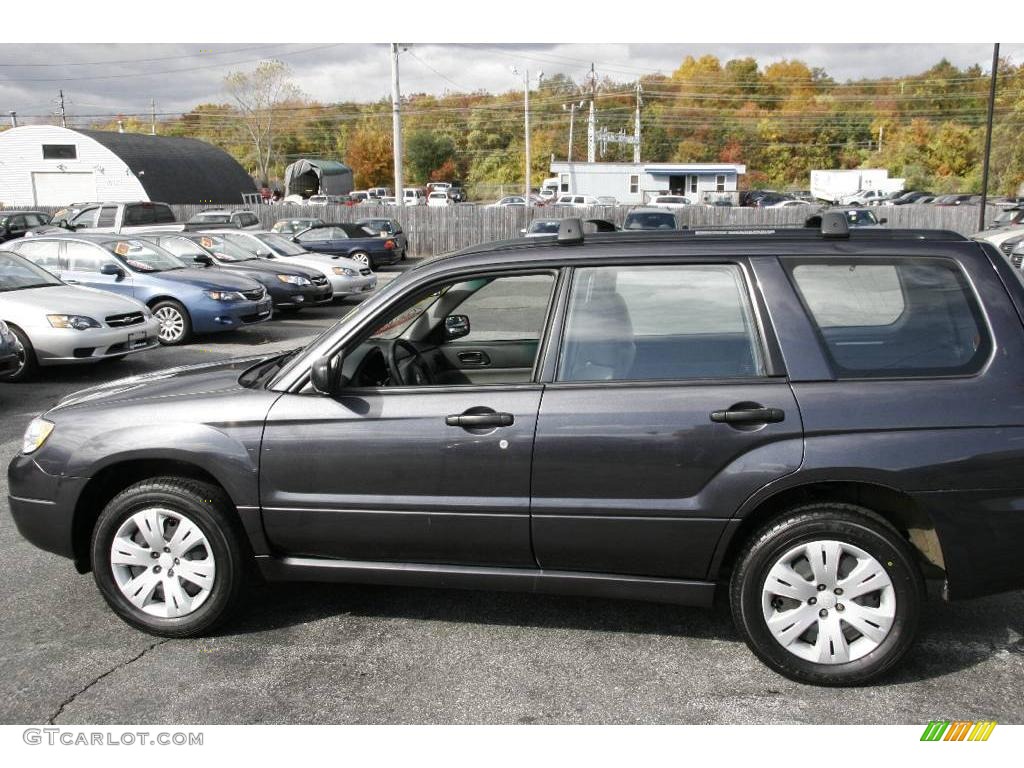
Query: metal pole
column 396, row 124
column 63, row 116
column 152, row 125
column 636, row 127
column 14, row 118
column 572, row 116
column 526, row 102
column 988, row 136
column 592, row 119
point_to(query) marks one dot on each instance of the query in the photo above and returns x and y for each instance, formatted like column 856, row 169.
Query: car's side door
column 84, row 265
column 410, row 471
column 665, row 410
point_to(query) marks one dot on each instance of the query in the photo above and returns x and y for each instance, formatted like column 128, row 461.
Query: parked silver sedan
column 57, row 324
column 347, row 277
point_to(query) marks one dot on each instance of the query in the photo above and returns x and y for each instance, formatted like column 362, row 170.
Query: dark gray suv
column 809, row 424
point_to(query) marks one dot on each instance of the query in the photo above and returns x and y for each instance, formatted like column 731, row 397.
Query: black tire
column 207, row 507
column 29, row 363
column 850, row 525
column 185, row 336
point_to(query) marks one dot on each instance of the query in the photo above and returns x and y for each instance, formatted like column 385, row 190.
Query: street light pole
column 396, row 124
column 988, row 136
column 572, row 119
column 526, row 106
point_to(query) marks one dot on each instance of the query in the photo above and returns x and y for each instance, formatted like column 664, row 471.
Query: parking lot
column 358, row 654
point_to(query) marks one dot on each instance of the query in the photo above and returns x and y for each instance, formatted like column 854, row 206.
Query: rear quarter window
column 899, row 318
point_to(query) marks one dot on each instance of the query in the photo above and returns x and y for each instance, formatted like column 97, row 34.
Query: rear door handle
column 70, row 281
column 477, row 420
column 749, row 416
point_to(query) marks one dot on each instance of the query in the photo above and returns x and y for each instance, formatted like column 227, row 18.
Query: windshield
column 282, row 245
column 397, row 325
column 224, row 249
column 544, row 228
column 212, row 218
column 17, row 274
column 143, row 256
column 861, row 217
column 650, row 221
column 1007, row 216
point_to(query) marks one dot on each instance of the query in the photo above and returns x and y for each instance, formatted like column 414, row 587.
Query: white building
column 637, row 183
column 45, row 165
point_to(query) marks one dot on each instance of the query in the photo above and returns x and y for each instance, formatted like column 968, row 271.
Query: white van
column 413, row 197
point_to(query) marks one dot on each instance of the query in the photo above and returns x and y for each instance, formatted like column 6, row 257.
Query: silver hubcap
column 162, row 563
column 361, row 258
column 828, row 602
column 172, row 324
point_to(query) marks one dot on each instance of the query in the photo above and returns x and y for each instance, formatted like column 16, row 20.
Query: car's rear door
column 665, row 410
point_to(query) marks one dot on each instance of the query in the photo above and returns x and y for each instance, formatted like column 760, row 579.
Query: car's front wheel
column 167, row 556
column 830, row 595
column 175, row 324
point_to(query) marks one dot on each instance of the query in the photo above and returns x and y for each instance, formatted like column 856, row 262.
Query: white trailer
column 831, row 186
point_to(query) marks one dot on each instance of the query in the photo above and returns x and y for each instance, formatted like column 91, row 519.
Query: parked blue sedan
column 184, row 300
column 352, row 241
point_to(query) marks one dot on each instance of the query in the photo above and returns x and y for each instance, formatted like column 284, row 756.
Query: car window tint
column 82, row 257
column 507, row 309
column 659, row 323
column 86, row 218
column 904, row 318
column 162, row 214
column 108, row 216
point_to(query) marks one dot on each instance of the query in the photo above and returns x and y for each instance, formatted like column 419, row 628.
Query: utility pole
column 526, row 108
column 592, row 118
column 572, row 117
column 152, row 125
column 14, row 118
column 396, row 124
column 881, row 133
column 988, row 136
column 63, row 115
column 636, row 125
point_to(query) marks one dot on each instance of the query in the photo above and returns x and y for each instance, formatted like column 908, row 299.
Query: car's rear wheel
column 167, row 556
column 27, row 364
column 830, row 594
column 360, row 257
column 175, row 324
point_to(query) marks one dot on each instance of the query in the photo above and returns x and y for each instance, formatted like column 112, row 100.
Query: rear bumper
column 982, row 535
column 43, row 505
column 385, row 258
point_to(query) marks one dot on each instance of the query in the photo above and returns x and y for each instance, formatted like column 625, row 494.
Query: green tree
column 425, row 152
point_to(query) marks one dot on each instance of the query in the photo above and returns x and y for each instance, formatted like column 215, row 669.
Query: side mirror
column 204, row 259
column 522, row 231
column 112, row 269
column 882, row 221
column 323, row 375
column 455, row 327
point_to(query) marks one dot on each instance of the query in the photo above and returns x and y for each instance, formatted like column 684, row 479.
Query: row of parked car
column 71, row 294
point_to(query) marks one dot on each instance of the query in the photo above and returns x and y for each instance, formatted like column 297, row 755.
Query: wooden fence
column 433, row 231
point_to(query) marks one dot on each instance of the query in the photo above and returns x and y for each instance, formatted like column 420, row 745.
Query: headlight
column 78, row 322
column 225, row 295
column 295, row 279
column 38, row 430
column 345, row 271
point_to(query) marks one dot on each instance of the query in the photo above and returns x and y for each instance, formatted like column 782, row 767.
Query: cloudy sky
column 100, row 79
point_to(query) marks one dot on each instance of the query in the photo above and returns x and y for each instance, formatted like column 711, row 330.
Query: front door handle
column 751, row 415
column 70, row 281
column 478, row 420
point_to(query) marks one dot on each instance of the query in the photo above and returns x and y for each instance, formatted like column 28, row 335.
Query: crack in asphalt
column 70, row 699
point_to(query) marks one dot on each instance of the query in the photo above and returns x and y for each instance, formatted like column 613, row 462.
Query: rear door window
column 898, row 318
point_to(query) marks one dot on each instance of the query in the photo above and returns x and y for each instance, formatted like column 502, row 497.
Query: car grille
column 365, row 272
column 1007, row 246
column 118, row 321
column 255, row 294
column 1016, row 259
column 320, row 280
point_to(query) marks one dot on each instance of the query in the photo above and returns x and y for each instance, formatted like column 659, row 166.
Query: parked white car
column 438, row 200
column 1003, row 238
column 413, row 197
column 672, row 202
column 791, row 204
column 541, row 227
column 577, row 200
column 864, row 197
column 61, row 324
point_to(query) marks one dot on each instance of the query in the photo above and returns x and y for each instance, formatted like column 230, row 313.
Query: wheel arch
column 895, row 506
column 119, row 475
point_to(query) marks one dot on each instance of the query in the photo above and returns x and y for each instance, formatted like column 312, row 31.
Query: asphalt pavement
column 357, row 654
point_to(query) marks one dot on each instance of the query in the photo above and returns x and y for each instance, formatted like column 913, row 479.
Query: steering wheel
column 419, row 372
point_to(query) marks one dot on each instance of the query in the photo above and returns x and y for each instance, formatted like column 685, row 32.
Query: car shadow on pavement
column 953, row 637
